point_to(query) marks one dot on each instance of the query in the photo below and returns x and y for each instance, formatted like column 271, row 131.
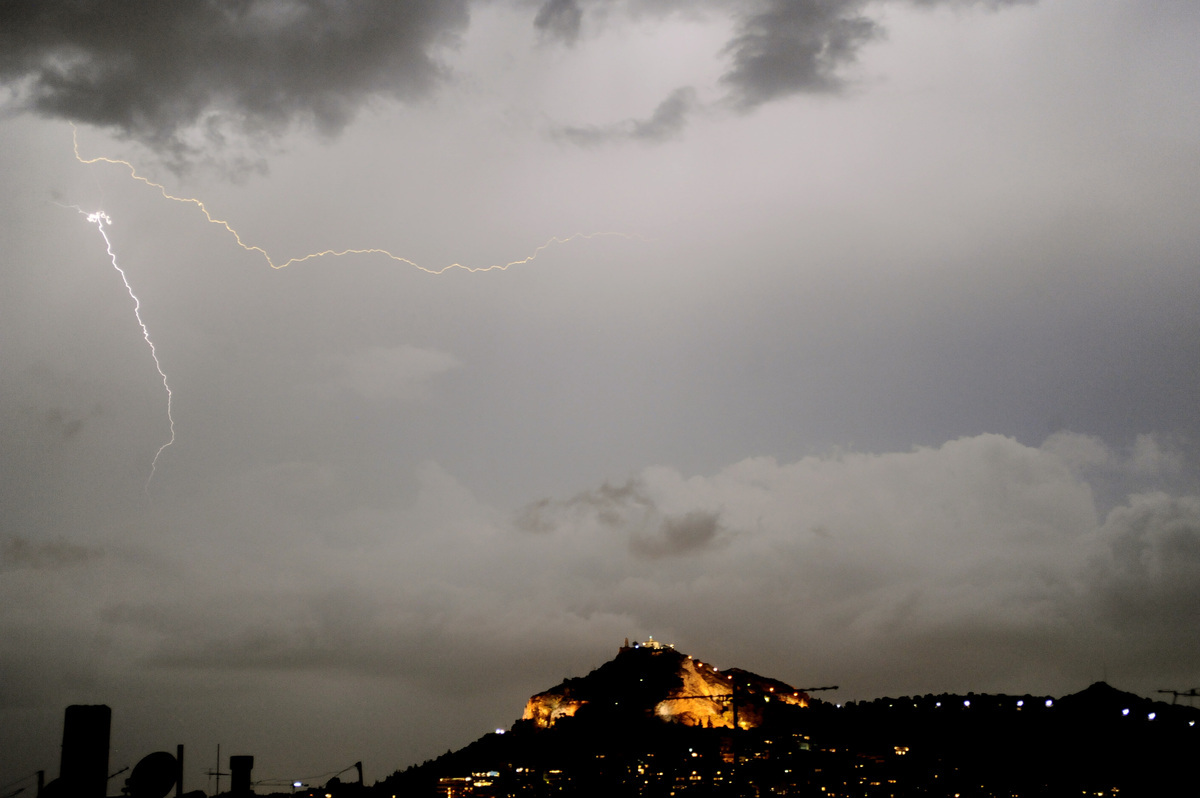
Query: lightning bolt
column 334, row 253
column 102, row 220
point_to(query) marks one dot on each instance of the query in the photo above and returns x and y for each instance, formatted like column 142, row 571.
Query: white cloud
column 983, row 550
column 1153, row 457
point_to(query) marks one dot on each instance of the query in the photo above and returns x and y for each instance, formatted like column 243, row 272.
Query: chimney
column 239, row 774
column 84, row 765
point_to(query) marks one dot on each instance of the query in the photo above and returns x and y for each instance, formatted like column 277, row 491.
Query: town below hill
column 655, row 722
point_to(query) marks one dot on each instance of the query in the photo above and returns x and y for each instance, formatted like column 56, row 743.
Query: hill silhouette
column 655, row 722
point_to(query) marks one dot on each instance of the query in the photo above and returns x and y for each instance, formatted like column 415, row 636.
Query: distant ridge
column 655, row 722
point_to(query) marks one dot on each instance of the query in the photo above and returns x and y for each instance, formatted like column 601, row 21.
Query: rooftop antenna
column 217, row 771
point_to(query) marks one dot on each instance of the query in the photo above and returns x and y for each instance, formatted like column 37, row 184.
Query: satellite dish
column 153, row 777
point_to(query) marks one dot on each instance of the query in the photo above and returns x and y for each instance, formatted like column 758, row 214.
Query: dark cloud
column 1150, row 572
column 150, row 70
column 800, row 46
column 676, row 535
column 781, row 48
column 535, row 517
column 609, row 505
column 795, row 46
column 17, row 552
column 630, row 508
column 668, row 118
column 61, row 422
column 67, row 427
column 560, row 19
column 992, row 4
column 172, row 75
column 612, row 503
column 667, row 121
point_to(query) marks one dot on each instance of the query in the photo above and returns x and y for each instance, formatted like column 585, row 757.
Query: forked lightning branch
column 102, row 221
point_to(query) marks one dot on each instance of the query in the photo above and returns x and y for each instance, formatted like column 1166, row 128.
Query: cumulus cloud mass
column 973, row 565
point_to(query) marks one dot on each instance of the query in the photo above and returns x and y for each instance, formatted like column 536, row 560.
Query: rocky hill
column 655, row 679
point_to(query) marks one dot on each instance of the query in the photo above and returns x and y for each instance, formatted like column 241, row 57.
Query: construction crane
column 1193, row 693
column 7, row 792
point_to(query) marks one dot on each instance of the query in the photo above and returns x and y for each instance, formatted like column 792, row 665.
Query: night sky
column 884, row 370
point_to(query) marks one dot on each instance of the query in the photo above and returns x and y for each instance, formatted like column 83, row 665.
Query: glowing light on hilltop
column 333, row 253
column 102, row 220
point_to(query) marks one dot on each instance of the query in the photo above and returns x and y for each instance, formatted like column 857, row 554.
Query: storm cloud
column 560, row 19
column 666, row 122
column 629, row 510
column 792, row 47
column 779, row 49
column 152, row 70
column 178, row 78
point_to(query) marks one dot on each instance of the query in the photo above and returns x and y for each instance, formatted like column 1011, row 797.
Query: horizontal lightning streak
column 335, row 253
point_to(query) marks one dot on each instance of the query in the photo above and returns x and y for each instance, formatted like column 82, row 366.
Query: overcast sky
column 884, row 371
